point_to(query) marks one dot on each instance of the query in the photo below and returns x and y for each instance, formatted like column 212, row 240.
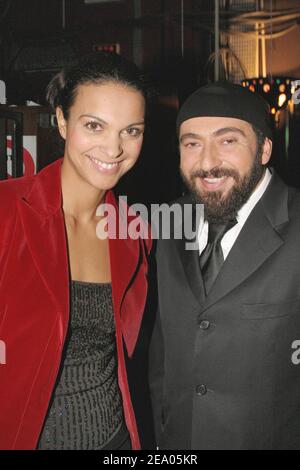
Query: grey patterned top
column 86, row 408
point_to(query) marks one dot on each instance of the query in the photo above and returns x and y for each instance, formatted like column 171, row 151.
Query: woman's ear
column 61, row 122
column 267, row 151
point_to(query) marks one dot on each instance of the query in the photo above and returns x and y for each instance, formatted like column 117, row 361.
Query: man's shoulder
column 294, row 194
column 294, row 203
column 280, row 200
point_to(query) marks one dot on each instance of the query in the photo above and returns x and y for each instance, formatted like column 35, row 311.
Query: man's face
column 221, row 163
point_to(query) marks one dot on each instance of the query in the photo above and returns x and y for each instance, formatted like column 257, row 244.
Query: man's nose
column 209, row 158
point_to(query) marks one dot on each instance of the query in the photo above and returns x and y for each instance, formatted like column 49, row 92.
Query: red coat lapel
column 128, row 259
column 43, row 223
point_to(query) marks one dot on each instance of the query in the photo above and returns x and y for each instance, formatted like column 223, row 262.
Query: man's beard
column 218, row 209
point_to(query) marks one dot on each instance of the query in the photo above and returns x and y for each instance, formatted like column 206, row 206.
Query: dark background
column 37, row 37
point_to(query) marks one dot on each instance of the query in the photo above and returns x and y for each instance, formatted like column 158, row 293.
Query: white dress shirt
column 230, row 237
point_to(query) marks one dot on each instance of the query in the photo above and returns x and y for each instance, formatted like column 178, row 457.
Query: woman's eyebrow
column 94, row 117
column 137, row 123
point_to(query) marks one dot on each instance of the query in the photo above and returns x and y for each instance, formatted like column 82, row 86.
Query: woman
column 68, row 298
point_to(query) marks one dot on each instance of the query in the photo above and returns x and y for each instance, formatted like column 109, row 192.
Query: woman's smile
column 105, row 167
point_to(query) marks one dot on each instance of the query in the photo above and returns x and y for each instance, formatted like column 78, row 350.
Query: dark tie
column 211, row 259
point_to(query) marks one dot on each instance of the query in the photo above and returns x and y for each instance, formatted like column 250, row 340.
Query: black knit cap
column 225, row 99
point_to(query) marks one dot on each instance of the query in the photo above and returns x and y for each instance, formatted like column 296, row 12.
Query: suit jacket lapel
column 190, row 263
column 190, row 258
column 257, row 241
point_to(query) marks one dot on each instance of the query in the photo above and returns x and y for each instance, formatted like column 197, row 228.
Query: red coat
column 34, row 303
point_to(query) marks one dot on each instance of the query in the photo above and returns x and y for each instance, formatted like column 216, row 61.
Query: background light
column 276, row 90
column 281, row 99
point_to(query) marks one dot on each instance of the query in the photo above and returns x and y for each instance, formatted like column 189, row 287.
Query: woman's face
column 104, row 132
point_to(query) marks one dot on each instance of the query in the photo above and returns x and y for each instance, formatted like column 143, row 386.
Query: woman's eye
column 134, row 131
column 93, row 126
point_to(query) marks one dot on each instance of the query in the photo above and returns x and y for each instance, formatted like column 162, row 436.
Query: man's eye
column 93, row 126
column 191, row 145
column 229, row 141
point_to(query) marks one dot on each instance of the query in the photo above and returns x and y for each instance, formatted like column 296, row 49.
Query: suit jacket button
column 201, row 389
column 204, row 325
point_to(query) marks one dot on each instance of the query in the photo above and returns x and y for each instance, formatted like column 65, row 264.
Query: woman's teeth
column 106, row 166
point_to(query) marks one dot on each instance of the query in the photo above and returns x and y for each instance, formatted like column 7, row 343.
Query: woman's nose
column 112, row 146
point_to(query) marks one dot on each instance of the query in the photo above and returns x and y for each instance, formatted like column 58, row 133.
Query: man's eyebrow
column 217, row 133
column 225, row 130
column 189, row 135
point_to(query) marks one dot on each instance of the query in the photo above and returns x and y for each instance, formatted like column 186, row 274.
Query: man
column 225, row 355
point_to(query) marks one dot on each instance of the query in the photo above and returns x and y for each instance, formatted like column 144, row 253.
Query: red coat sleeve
column 7, row 221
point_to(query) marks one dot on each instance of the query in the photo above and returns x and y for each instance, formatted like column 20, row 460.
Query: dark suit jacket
column 223, row 368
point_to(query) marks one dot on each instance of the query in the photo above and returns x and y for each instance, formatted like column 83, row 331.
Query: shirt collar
column 246, row 209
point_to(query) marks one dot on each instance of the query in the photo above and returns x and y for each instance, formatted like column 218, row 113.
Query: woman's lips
column 104, row 167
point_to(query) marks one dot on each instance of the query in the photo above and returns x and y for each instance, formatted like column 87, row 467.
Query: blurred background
column 180, row 44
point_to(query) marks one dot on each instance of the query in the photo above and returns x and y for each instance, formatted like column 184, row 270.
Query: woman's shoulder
column 11, row 190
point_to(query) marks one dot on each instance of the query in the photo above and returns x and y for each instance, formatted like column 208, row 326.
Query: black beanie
column 225, row 99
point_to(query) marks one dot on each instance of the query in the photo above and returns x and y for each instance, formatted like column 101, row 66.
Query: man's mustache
column 215, row 173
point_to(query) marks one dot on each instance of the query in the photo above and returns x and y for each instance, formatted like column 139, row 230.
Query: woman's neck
column 80, row 199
